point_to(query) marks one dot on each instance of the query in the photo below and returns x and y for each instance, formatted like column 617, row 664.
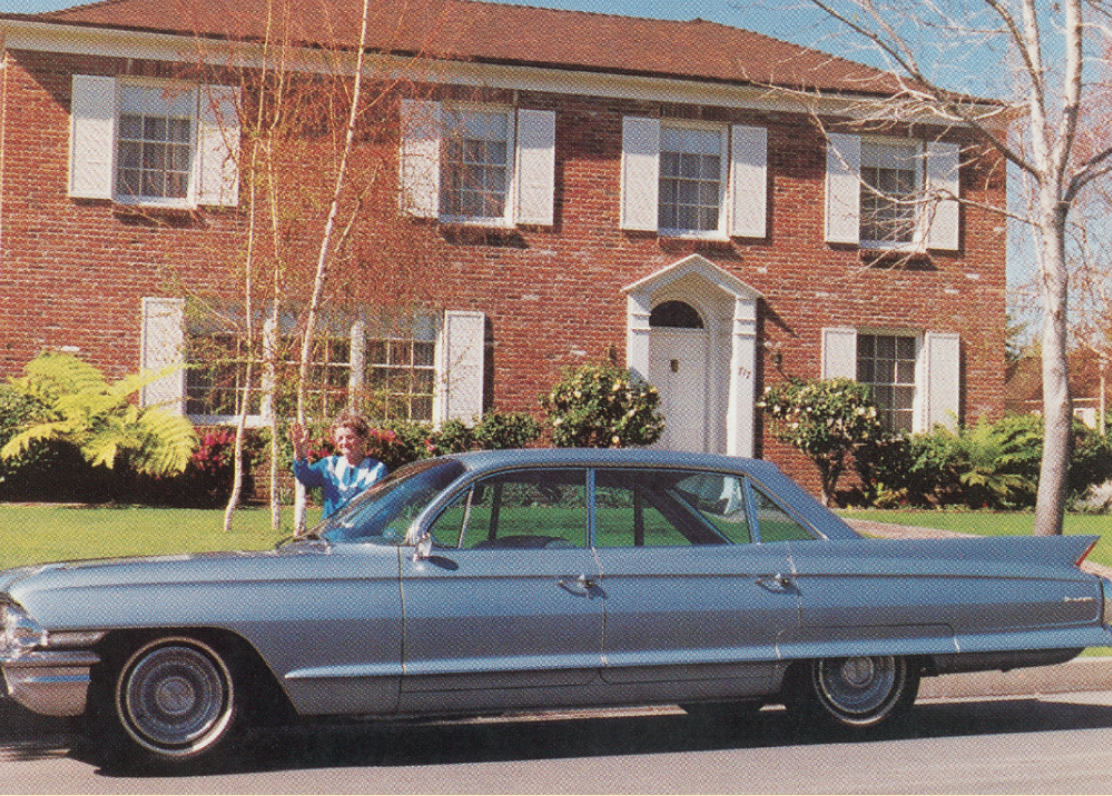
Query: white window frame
column 743, row 187
column 938, row 216
column 214, row 141
column 877, row 146
column 938, row 387
column 465, row 110
column 531, row 163
column 722, row 133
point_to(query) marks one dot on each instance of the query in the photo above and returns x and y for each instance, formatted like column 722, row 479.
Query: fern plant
column 98, row 417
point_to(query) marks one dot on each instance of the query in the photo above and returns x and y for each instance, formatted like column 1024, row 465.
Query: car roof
column 601, row 457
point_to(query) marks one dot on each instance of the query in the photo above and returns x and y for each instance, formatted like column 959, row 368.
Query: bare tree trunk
column 326, row 252
column 1057, row 403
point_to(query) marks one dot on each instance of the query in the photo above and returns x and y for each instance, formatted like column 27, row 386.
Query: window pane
column 475, row 168
column 690, row 180
column 890, row 177
column 530, row 509
column 887, row 364
column 776, row 524
column 154, row 146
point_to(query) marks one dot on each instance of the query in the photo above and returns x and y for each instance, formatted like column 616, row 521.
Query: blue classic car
column 489, row 582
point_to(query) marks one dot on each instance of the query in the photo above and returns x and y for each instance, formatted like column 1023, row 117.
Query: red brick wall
column 72, row 272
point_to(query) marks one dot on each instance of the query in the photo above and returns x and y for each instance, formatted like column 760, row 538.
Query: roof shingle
column 469, row 30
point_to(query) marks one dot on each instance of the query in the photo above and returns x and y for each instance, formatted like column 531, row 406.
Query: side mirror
column 423, row 549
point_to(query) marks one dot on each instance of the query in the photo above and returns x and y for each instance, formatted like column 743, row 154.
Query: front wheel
column 861, row 692
column 172, row 700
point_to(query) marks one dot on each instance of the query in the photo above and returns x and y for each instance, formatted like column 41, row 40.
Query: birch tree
column 1034, row 61
column 316, row 131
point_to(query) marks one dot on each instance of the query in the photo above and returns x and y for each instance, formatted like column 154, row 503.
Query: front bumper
column 50, row 682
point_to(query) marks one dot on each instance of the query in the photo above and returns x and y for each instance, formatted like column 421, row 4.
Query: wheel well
column 262, row 697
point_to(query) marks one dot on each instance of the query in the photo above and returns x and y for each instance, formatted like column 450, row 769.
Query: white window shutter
column 942, row 380
column 749, row 182
column 839, row 353
column 92, row 136
column 843, row 189
column 461, row 366
column 536, row 166
column 420, row 158
column 943, row 176
column 217, row 146
column 640, row 173
column 162, row 343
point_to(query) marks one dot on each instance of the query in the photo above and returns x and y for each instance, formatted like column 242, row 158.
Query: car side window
column 660, row 508
column 720, row 499
column 523, row 509
column 776, row 525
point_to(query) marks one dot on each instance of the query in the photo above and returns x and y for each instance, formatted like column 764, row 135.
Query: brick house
column 650, row 198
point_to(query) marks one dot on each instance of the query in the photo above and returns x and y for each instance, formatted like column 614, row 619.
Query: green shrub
column 989, row 465
column 828, row 420
column 504, row 430
column 603, row 406
column 207, row 479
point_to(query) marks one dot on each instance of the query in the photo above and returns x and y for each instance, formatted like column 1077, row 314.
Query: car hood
column 293, row 561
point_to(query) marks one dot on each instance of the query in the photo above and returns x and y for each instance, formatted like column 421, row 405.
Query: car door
column 692, row 603
column 506, row 611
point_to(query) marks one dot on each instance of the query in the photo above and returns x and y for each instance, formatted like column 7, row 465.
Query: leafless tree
column 1034, row 61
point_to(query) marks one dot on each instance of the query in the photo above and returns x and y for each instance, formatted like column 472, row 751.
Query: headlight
column 19, row 633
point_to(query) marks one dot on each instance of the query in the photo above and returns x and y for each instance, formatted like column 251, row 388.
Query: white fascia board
column 80, row 40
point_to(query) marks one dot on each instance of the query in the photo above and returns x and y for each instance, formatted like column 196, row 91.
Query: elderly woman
column 345, row 475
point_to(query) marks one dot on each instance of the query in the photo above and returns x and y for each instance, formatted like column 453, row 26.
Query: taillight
column 1088, row 550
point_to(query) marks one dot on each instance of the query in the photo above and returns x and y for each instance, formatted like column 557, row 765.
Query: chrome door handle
column 580, row 587
column 776, row 583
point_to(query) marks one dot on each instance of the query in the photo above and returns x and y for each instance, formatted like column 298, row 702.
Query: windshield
column 383, row 513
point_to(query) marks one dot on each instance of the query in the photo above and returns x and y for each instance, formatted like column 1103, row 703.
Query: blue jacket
column 339, row 480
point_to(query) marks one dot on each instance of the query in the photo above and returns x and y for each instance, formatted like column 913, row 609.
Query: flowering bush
column 603, row 406
column 826, row 419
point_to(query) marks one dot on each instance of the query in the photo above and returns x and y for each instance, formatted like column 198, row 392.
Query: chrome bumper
column 53, row 683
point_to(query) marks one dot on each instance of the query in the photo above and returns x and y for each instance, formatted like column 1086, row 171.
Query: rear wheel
column 171, row 700
column 861, row 692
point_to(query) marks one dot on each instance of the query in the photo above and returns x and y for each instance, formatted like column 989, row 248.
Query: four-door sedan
column 538, row 579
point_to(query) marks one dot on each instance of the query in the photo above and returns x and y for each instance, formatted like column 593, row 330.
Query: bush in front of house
column 603, row 406
column 992, row 465
column 828, row 420
column 206, row 481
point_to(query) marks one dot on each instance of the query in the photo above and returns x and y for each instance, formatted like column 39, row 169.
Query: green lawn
column 985, row 523
column 33, row 534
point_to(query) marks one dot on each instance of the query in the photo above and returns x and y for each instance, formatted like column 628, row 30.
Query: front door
column 678, row 362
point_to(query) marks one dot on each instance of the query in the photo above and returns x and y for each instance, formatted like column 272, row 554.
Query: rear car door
column 507, row 610
column 690, row 597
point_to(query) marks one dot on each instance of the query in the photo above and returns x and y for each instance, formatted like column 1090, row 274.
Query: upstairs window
column 157, row 143
column 470, row 164
column 154, row 144
column 684, row 179
column 476, row 170
column 890, row 189
column 692, row 180
column 893, row 193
